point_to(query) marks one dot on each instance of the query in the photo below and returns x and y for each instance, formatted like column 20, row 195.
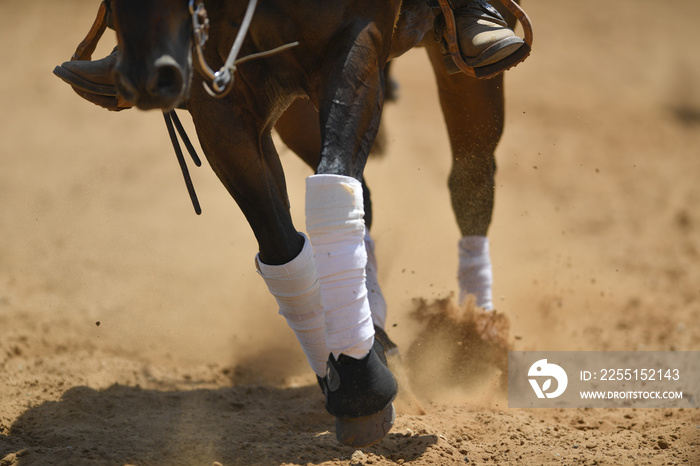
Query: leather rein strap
column 172, row 122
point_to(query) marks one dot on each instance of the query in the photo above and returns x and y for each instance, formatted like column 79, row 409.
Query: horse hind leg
column 473, row 111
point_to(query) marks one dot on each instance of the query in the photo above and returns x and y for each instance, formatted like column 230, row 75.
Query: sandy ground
column 134, row 332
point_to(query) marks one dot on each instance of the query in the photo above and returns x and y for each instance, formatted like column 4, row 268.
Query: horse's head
column 154, row 67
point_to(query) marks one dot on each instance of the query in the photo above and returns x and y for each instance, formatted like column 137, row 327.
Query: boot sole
column 365, row 431
column 76, row 81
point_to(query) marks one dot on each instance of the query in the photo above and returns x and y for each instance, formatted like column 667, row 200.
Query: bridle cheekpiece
column 222, row 80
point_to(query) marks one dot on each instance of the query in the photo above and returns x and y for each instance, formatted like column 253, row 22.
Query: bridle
column 222, row 80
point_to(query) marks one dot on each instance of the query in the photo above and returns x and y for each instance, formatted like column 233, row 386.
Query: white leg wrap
column 474, row 274
column 296, row 288
column 336, row 227
column 377, row 303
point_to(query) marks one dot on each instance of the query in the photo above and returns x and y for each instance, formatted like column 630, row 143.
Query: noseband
column 222, row 80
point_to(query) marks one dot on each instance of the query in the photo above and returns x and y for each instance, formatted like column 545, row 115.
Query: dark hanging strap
column 171, row 117
column 185, row 138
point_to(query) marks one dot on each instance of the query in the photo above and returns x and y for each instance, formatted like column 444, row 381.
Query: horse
column 314, row 71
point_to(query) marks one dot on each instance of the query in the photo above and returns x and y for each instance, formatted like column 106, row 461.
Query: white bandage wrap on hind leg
column 336, row 228
column 475, row 275
column 296, row 288
column 377, row 303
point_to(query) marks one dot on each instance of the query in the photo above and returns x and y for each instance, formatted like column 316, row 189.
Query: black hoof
column 359, row 393
column 365, row 431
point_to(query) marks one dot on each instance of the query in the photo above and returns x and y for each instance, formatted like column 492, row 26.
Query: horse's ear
column 88, row 45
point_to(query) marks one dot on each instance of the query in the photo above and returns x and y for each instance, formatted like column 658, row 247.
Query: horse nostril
column 166, row 80
column 167, row 77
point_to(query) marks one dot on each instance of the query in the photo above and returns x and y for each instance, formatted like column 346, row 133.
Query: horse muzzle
column 163, row 85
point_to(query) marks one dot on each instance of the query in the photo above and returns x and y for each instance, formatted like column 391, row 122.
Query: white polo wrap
column 296, row 288
column 474, row 274
column 336, row 228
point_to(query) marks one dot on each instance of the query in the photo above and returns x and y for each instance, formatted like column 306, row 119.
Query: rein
column 172, row 122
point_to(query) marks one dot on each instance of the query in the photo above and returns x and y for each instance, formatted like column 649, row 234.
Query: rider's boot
column 483, row 35
column 93, row 80
column 360, row 394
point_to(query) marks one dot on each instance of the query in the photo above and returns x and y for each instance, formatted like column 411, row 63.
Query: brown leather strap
column 488, row 71
column 87, row 46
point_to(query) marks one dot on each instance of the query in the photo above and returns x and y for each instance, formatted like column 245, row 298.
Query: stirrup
column 88, row 45
column 488, row 71
column 84, row 52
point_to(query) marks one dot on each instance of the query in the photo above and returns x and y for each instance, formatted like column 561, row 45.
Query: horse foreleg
column 473, row 111
column 359, row 388
column 247, row 164
column 299, row 128
column 350, row 103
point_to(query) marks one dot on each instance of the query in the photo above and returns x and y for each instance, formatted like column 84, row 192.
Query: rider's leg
column 483, row 35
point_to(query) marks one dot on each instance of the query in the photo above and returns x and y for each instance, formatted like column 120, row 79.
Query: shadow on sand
column 233, row 425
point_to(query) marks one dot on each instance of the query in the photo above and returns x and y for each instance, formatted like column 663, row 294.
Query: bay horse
column 323, row 91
